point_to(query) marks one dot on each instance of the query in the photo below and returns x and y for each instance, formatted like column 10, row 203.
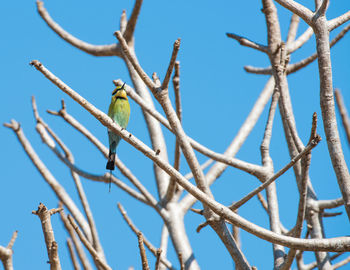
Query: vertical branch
column 51, row 245
column 306, row 160
column 97, row 258
column 335, row 150
column 154, row 129
column 176, row 85
column 144, row 260
column 343, row 113
column 78, row 247
column 73, row 257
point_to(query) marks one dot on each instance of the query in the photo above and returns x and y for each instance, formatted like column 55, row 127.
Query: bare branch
column 293, row 28
column 242, row 165
column 298, row 9
column 146, row 242
column 306, row 160
column 96, row 50
column 159, row 252
column 73, row 257
column 130, row 27
column 97, row 258
column 100, row 178
column 176, row 84
column 330, row 244
column 300, row 41
column 248, row 43
column 307, row 149
column 171, row 64
column 77, row 244
column 336, row 22
column 134, row 62
column 51, row 245
column 343, row 112
column 123, row 169
column 258, row 70
column 265, row 144
column 291, row 68
column 82, row 196
column 144, row 260
column 328, row 204
column 303, row 63
column 341, row 263
column 217, row 169
column 321, row 11
column 106, row 178
column 60, row 192
column 6, row 253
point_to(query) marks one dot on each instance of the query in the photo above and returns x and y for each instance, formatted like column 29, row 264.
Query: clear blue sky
column 211, row 73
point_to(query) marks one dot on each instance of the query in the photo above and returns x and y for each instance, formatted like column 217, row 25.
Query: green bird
column 119, row 111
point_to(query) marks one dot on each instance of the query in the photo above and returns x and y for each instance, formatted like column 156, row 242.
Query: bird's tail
column 111, row 161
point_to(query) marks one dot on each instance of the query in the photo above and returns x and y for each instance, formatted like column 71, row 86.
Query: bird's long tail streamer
column 110, row 180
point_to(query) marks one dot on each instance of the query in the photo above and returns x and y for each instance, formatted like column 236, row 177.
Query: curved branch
column 96, row 50
column 303, row 12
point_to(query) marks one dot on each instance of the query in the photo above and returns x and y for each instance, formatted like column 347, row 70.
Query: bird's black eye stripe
column 117, row 89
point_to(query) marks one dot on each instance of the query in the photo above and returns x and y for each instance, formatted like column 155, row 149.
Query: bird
column 119, row 112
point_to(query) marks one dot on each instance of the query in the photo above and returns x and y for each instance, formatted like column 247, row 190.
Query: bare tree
column 176, row 195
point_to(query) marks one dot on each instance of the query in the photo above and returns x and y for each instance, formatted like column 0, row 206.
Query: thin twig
column 159, row 252
column 176, row 84
column 133, row 60
column 343, row 112
column 73, row 257
column 146, row 242
column 130, row 27
column 278, row 174
column 77, row 244
column 144, row 260
column 293, row 28
column 176, row 49
column 97, row 258
column 306, row 160
column 248, row 43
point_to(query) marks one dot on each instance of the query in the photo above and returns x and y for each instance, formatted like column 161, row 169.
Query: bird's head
column 119, row 92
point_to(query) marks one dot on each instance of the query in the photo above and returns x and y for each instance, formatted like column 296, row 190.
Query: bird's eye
column 117, row 89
